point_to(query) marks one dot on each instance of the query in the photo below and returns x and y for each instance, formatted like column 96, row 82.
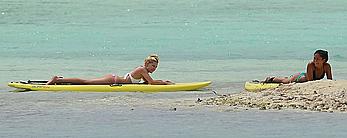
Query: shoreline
column 323, row 96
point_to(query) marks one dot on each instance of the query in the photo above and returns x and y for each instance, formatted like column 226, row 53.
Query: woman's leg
column 56, row 79
column 108, row 79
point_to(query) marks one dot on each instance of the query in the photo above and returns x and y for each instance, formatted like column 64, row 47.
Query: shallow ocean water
column 228, row 42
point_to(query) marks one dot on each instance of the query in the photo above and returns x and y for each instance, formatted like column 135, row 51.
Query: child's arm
column 328, row 71
column 309, row 72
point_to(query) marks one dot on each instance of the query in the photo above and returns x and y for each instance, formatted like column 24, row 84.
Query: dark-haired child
column 316, row 70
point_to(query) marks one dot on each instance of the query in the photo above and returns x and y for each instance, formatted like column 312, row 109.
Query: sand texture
column 323, row 96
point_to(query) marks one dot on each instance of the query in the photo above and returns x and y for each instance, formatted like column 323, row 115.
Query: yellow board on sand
column 258, row 86
column 111, row 88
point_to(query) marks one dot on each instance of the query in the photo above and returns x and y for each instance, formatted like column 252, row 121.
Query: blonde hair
column 152, row 58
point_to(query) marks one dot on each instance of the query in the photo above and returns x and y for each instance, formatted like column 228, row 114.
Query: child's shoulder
column 326, row 65
column 310, row 64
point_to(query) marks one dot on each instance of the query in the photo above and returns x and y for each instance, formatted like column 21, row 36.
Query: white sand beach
column 323, row 96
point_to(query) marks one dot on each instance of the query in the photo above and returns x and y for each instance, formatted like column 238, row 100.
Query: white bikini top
column 132, row 79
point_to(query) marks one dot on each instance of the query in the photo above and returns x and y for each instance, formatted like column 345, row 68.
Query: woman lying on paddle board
column 135, row 76
column 316, row 70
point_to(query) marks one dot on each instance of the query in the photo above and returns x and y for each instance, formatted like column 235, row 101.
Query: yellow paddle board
column 111, row 88
column 258, row 86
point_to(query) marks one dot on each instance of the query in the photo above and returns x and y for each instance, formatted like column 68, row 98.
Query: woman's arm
column 149, row 79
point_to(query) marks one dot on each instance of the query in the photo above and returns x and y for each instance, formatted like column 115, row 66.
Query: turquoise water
column 226, row 41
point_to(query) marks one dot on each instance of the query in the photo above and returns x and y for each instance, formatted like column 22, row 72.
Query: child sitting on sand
column 316, row 70
column 141, row 72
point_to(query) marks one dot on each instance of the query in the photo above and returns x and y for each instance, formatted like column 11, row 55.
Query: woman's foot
column 53, row 80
